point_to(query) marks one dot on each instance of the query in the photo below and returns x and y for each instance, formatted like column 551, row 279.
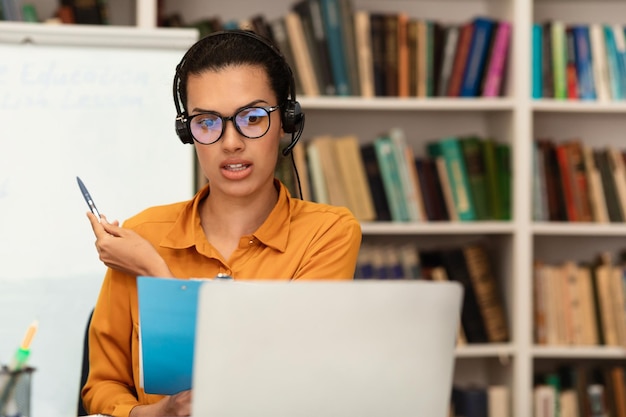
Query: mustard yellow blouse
column 299, row 240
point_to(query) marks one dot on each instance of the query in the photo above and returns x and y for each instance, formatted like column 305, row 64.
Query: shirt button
column 251, row 242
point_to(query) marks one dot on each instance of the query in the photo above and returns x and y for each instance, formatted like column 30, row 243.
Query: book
column 302, row 169
column 546, row 60
column 410, row 186
column 331, row 16
column 364, row 53
column 597, row 200
column 498, row 58
column 450, row 149
column 432, row 193
column 391, row 177
column 614, row 62
column 540, row 203
column 587, row 305
column 331, row 170
column 377, row 37
column 498, row 401
column 316, row 170
column 486, row 288
column 571, row 77
column 346, row 13
column 315, row 37
column 391, row 53
column 471, row 148
column 279, row 34
column 352, row 173
column 537, row 61
column 450, row 41
column 559, row 59
column 470, row 401
column 460, row 59
column 602, row 159
column 374, row 179
column 446, row 188
column 302, row 56
column 477, row 54
column 554, row 192
column 454, row 261
column 404, row 73
column 599, row 62
column 584, row 66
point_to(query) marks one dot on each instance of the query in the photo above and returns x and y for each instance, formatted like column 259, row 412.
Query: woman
column 237, row 98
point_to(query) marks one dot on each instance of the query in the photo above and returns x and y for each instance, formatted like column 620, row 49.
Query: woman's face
column 236, row 166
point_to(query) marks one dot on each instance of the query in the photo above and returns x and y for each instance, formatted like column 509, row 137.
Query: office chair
column 85, row 370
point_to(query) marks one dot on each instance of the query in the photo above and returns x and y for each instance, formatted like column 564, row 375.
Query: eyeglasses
column 252, row 122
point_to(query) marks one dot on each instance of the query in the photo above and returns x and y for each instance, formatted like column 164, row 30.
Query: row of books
column 335, row 49
column 480, row 401
column 483, row 319
column 455, row 178
column 580, row 304
column 586, row 62
column 581, row 391
column 576, row 183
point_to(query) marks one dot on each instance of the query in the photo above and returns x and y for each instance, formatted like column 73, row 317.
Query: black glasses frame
column 269, row 109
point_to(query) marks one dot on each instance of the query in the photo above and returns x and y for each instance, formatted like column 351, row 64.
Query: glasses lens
column 253, row 122
column 206, row 127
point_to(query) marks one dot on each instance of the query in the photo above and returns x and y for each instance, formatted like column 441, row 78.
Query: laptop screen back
column 325, row 348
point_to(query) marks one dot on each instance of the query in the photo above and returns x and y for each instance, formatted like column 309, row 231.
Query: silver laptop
column 325, row 348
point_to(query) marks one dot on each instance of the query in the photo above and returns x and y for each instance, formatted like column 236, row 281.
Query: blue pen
column 88, row 198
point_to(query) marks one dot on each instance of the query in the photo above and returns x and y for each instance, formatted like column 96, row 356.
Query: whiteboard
column 94, row 102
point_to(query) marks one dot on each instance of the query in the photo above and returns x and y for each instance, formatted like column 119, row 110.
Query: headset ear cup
column 182, row 132
column 292, row 116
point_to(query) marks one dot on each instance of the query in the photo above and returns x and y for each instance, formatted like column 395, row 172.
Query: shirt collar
column 187, row 231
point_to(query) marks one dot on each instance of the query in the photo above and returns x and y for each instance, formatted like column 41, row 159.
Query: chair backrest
column 85, row 369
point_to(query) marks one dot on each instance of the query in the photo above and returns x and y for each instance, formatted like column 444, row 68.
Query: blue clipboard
column 167, row 327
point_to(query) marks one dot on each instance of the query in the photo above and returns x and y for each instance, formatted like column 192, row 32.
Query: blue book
column 537, row 61
column 477, row 56
column 584, row 66
column 615, row 79
column 331, row 16
column 392, row 181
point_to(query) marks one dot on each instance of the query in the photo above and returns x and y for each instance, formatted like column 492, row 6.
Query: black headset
column 292, row 117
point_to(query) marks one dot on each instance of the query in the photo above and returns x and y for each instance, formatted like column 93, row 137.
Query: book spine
column 364, row 53
column 451, row 39
column 559, row 58
column 497, row 64
column 584, row 71
column 334, row 35
column 599, row 62
column 460, row 59
column 537, row 63
column 570, row 69
column 391, row 178
column 615, row 81
column 479, row 45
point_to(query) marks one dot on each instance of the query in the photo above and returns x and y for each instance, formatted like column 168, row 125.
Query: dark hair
column 218, row 51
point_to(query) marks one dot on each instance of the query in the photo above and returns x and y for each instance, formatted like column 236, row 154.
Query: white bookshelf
column 515, row 119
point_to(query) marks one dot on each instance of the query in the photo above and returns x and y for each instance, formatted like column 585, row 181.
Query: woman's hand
column 124, row 250
column 170, row 406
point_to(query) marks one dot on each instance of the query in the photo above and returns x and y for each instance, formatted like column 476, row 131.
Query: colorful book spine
column 584, row 69
column 479, row 45
column 331, row 13
column 537, row 62
column 450, row 149
column 615, row 79
column 559, row 59
column 497, row 62
column 391, row 178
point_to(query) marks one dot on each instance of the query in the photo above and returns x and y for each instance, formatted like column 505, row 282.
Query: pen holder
column 15, row 388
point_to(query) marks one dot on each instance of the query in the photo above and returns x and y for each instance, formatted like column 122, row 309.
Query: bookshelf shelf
column 560, row 106
column 502, row 351
column 575, row 229
column 575, row 352
column 434, row 228
column 407, row 104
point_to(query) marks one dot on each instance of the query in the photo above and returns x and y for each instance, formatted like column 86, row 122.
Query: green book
column 471, row 147
column 505, row 178
column 450, row 149
column 559, row 59
column 392, row 181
